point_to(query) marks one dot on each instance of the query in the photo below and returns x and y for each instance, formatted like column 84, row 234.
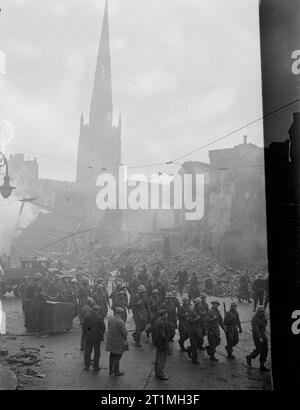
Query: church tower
column 99, row 148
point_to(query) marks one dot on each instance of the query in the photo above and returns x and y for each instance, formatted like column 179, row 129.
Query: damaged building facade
column 234, row 221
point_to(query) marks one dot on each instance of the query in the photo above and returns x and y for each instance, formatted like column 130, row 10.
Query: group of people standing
column 158, row 312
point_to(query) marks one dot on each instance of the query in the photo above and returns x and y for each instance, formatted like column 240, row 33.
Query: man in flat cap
column 259, row 324
column 233, row 328
column 161, row 339
column 213, row 322
column 139, row 308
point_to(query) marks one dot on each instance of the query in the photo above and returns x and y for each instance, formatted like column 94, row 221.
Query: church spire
column 101, row 104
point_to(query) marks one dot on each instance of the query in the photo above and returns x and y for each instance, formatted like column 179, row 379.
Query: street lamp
column 5, row 189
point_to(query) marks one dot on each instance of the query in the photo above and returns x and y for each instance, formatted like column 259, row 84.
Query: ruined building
column 234, row 221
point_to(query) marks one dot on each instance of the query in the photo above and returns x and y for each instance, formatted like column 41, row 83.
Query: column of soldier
column 158, row 312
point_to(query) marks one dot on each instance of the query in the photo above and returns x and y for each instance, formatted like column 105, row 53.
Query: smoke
column 11, row 220
column 6, row 135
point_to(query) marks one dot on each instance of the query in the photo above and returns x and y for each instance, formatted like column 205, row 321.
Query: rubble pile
column 201, row 261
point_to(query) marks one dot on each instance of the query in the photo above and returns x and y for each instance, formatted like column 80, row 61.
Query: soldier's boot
column 136, row 340
column 111, row 365
column 248, row 359
column 263, row 368
column 182, row 348
column 189, row 351
column 162, row 377
column 229, row 352
column 213, row 358
column 117, row 368
column 207, row 348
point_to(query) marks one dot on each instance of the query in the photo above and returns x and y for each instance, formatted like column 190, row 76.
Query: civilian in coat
column 116, row 342
column 86, row 310
column 94, row 328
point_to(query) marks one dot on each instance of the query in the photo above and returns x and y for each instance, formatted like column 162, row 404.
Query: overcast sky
column 184, row 73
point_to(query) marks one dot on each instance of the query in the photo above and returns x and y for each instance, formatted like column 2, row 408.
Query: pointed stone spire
column 101, row 104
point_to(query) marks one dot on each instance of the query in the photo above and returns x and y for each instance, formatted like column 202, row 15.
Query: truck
column 12, row 277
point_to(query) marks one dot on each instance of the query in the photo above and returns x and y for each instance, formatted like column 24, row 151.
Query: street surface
column 61, row 365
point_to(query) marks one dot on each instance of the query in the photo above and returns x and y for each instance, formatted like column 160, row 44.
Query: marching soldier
column 161, row 339
column 153, row 310
column 170, row 307
column 183, row 313
column 259, row 324
column 203, row 309
column 233, row 328
column 140, row 313
column 213, row 322
column 195, row 332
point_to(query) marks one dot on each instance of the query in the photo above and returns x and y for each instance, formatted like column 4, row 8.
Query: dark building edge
column 282, row 204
